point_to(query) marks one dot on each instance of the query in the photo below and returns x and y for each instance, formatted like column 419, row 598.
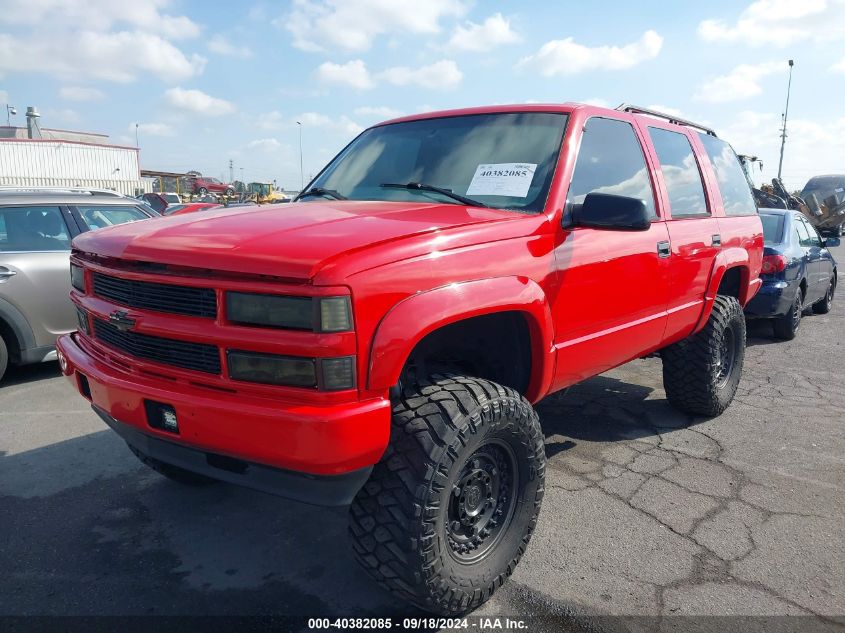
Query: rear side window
column 680, row 172
column 733, row 185
column 611, row 161
column 97, row 217
column 803, row 234
column 772, row 228
column 32, row 229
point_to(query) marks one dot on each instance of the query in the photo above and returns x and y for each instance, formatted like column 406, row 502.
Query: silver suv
column 36, row 228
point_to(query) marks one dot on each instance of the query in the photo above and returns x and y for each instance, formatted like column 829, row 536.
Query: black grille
column 200, row 302
column 196, row 356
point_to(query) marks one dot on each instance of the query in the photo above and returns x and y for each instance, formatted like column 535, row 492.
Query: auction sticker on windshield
column 502, row 179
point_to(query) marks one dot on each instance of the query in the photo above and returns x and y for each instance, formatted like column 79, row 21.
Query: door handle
column 716, row 240
column 5, row 273
column 664, row 249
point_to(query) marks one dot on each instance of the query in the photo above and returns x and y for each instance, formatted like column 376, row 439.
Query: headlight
column 271, row 369
column 318, row 314
column 77, row 277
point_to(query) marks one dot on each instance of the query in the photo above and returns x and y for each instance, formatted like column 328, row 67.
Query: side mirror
column 831, row 242
column 606, row 211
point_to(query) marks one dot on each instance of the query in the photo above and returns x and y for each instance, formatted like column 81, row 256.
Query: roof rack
column 627, row 107
column 88, row 190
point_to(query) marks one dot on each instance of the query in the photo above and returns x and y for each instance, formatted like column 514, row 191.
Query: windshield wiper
column 326, row 193
column 421, row 186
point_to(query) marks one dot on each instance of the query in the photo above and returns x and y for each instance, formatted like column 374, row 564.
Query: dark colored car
column 798, row 272
column 203, row 186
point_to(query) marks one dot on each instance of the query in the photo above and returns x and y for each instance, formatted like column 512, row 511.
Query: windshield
column 501, row 160
column 772, row 227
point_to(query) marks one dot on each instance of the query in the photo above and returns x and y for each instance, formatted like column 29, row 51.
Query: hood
column 289, row 240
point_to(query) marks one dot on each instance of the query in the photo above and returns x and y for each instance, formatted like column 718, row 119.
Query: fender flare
column 428, row 311
column 17, row 322
column 725, row 260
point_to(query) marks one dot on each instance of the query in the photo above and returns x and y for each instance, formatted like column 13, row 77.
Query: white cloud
column 742, row 82
column 380, row 112
column 264, row 144
column 152, row 129
column 78, row 93
column 62, row 115
column 813, row 146
column 222, row 46
column 439, row 75
column 779, row 23
column 343, row 124
column 197, row 102
column 839, row 66
column 273, row 120
column 353, row 73
column 120, row 56
column 353, row 25
column 99, row 15
column 478, row 38
column 566, row 57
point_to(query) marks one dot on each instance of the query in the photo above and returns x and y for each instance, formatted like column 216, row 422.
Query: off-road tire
column 179, row 475
column 692, row 367
column 785, row 327
column 4, row 357
column 826, row 303
column 398, row 520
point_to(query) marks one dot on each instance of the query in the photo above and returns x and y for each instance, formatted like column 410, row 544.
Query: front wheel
column 448, row 511
column 4, row 357
column 230, row 192
column 202, row 191
column 824, row 306
column 701, row 373
column 786, row 326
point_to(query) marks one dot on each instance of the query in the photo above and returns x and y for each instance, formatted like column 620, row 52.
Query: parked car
column 381, row 341
column 203, row 186
column 798, row 272
column 189, row 207
column 36, row 229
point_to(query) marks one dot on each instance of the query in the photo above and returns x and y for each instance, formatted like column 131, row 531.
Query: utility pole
column 785, row 114
column 301, row 171
column 137, row 144
column 231, row 170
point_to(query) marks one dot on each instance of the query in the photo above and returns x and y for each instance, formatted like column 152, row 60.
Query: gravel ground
column 648, row 512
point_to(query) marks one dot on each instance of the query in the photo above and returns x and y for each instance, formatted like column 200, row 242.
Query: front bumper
column 324, row 440
column 773, row 299
column 332, row 490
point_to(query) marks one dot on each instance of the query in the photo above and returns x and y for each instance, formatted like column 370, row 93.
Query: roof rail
column 88, row 190
column 627, row 107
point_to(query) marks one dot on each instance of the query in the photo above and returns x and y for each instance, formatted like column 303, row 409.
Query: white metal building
column 65, row 163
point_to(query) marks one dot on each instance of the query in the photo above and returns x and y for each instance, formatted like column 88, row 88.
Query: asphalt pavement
column 648, row 512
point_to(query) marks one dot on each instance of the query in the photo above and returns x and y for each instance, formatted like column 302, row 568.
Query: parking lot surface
column 648, row 511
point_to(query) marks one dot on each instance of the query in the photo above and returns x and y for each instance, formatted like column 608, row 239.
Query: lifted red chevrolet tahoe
column 381, row 341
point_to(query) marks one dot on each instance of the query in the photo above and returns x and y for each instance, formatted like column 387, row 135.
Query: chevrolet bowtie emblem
column 121, row 320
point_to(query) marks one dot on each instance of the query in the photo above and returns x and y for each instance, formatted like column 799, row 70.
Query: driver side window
column 611, row 161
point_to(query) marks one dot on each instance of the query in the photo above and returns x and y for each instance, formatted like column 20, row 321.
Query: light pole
column 785, row 114
column 301, row 170
column 10, row 112
column 137, row 144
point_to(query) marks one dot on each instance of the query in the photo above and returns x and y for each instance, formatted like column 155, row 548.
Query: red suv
column 381, row 342
column 202, row 185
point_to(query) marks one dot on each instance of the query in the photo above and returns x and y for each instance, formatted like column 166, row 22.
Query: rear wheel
column 824, row 306
column 448, row 511
column 786, row 326
column 203, row 191
column 702, row 372
column 4, row 357
column 230, row 192
column 174, row 473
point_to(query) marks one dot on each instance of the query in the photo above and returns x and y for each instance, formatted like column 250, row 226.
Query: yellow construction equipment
column 264, row 193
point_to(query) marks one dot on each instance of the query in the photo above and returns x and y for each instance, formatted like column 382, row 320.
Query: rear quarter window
column 33, row 229
column 736, row 194
column 772, row 228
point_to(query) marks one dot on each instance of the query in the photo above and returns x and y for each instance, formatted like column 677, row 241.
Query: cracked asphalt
column 648, row 512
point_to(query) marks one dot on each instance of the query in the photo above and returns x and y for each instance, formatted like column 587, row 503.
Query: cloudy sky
column 208, row 81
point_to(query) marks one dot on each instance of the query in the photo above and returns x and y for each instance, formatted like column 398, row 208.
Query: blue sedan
column 798, row 272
